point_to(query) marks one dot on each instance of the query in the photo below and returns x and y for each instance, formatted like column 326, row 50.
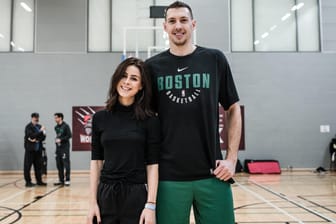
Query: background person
column 35, row 134
column 62, row 140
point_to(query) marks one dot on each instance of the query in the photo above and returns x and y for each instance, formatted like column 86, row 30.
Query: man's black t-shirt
column 187, row 90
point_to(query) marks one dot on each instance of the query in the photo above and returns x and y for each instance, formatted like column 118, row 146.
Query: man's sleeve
column 228, row 94
column 150, row 74
column 153, row 140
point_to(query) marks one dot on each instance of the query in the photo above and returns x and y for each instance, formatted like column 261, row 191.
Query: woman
column 125, row 150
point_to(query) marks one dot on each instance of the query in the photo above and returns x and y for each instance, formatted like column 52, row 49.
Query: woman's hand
column 93, row 213
column 147, row 216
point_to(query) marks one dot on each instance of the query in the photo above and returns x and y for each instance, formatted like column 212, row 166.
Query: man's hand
column 225, row 169
column 32, row 139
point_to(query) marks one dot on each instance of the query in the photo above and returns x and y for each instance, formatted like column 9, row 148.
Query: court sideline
column 292, row 197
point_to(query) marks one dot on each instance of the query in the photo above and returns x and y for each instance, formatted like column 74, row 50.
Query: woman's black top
column 125, row 144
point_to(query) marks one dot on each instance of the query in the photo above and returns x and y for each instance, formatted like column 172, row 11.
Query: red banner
column 82, row 126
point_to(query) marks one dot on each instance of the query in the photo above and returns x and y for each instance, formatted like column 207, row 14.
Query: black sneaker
column 30, row 184
column 59, row 184
column 321, row 170
column 41, row 184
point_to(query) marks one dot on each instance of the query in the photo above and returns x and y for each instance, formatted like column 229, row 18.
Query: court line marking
column 21, row 192
column 326, row 218
column 28, row 204
column 270, row 203
column 14, row 211
column 6, row 184
column 14, row 195
column 316, row 204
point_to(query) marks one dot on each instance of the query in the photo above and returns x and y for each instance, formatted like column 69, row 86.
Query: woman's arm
column 148, row 214
column 152, row 181
column 152, row 168
column 95, row 168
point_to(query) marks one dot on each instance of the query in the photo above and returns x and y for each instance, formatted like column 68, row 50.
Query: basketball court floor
column 292, row 197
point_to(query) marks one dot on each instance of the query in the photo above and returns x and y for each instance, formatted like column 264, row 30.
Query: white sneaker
column 67, row 183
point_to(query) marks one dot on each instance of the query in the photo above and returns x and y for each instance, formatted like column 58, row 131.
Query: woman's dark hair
column 178, row 4
column 142, row 99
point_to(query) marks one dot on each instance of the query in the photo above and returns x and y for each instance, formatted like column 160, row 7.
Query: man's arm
column 234, row 132
column 226, row 168
column 31, row 133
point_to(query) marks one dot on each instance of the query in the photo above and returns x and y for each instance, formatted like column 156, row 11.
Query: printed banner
column 82, row 126
column 223, row 124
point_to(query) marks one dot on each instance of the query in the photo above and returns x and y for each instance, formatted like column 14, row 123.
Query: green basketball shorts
column 211, row 200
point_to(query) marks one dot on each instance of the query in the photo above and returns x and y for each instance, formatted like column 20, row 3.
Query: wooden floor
column 292, row 197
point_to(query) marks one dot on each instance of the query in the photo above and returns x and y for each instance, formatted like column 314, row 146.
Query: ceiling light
column 265, row 35
column 256, row 42
column 2, row 36
column 26, row 7
column 273, row 27
column 300, row 5
column 285, row 16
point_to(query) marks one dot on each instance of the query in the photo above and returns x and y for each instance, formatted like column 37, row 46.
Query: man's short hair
column 59, row 115
column 35, row 115
column 178, row 4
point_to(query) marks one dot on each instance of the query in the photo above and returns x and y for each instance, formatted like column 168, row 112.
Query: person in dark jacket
column 35, row 134
column 63, row 135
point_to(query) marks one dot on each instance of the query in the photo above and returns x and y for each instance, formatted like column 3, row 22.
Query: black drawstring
column 118, row 185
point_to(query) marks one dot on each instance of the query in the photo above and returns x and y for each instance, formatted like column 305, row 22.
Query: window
column 115, row 23
column 118, row 25
column 5, row 21
column 16, row 25
column 275, row 25
column 132, row 17
column 23, row 26
column 99, row 25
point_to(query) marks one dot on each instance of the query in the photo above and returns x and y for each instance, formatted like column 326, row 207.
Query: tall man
column 35, row 134
column 189, row 81
column 63, row 135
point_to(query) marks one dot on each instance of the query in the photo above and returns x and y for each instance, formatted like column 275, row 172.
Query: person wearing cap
column 35, row 134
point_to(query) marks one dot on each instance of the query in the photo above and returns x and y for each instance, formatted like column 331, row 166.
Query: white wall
column 286, row 95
